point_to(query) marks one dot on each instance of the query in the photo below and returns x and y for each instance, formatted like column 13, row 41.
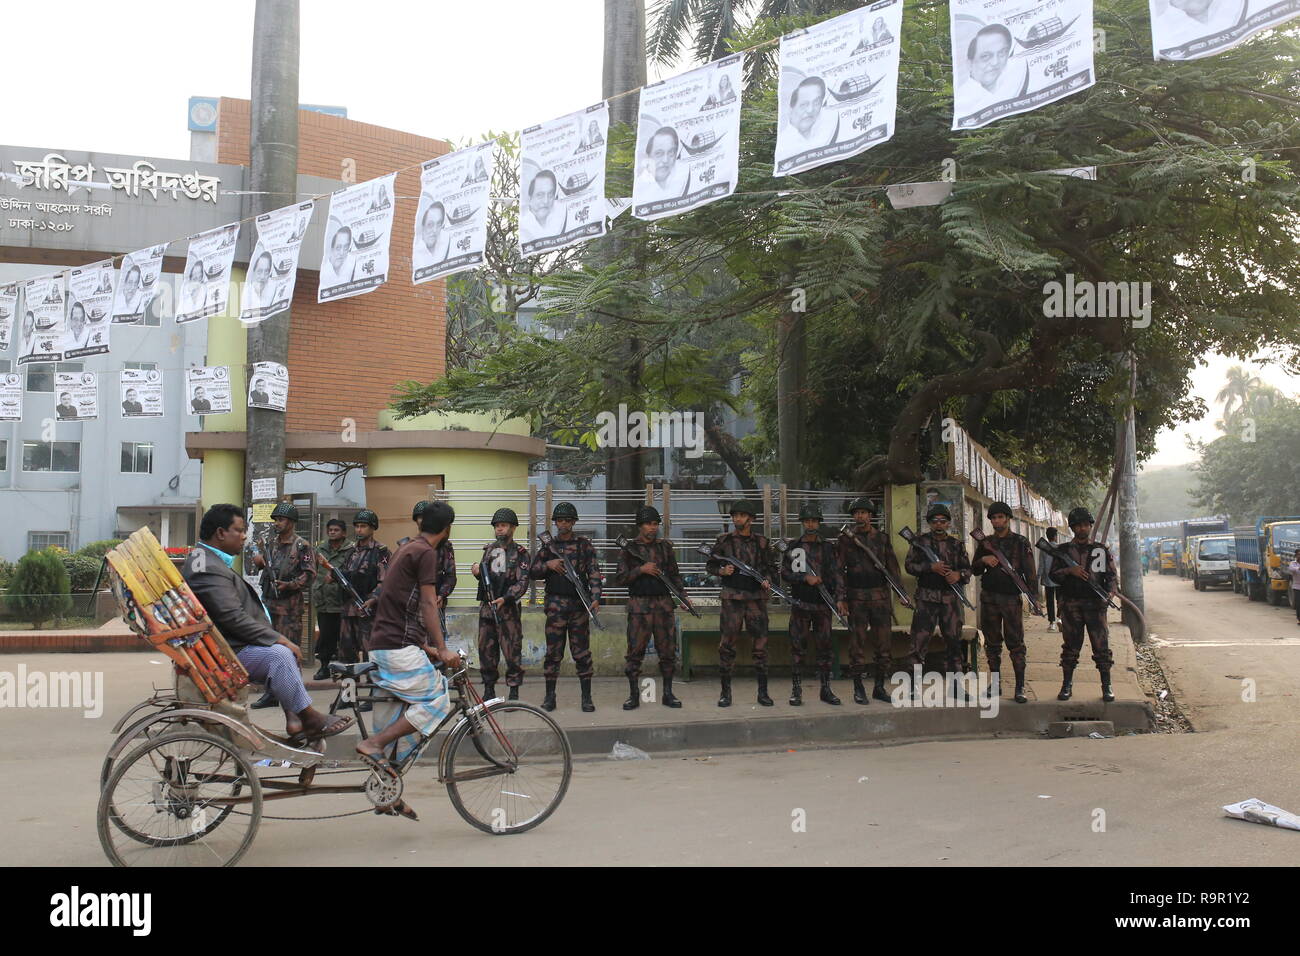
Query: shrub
column 97, row 549
column 39, row 589
column 82, row 570
column 7, row 569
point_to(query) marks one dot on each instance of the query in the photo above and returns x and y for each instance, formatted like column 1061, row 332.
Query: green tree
column 1246, row 479
column 39, row 589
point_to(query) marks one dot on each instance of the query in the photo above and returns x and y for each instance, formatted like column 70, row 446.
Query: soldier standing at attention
column 865, row 600
column 1001, row 614
column 1080, row 607
column 566, row 618
column 327, row 594
column 650, row 612
column 744, row 600
column 288, row 567
column 936, row 604
column 808, row 562
column 364, row 568
column 507, row 565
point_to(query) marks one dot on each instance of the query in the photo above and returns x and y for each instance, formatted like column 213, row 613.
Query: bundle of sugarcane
column 160, row 607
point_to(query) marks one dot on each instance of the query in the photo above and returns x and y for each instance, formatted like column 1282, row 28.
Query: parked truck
column 1262, row 552
column 1212, row 560
column 1167, row 549
column 1191, row 529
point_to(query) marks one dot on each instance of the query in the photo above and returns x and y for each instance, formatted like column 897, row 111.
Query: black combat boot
column 266, row 700
column 323, row 673
column 1020, row 686
column 1067, row 683
column 878, row 691
column 513, row 693
column 634, row 695
column 587, row 705
column 1107, row 694
column 763, row 699
column 548, row 702
column 828, row 695
column 860, row 691
column 796, row 689
column 994, row 688
column 668, row 699
column 489, row 689
column 725, row 699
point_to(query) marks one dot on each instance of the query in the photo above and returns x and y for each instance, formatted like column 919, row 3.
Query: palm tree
column 1236, row 393
column 712, row 23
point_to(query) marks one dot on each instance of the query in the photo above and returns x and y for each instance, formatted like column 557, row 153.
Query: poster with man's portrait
column 76, row 396
column 562, row 181
column 838, row 91
column 137, row 284
column 90, row 300
column 1191, row 29
column 141, row 392
column 268, row 386
column 360, row 226
column 273, row 266
column 8, row 309
column 205, row 282
column 1013, row 56
column 207, row 390
column 43, row 319
column 451, row 218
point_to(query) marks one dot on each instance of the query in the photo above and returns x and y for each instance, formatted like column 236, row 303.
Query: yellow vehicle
column 1168, row 551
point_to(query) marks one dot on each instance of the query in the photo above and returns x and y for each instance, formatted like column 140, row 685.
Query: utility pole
column 1130, row 555
column 273, row 148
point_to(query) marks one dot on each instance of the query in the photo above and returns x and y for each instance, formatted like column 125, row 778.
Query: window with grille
column 137, row 458
column 40, row 540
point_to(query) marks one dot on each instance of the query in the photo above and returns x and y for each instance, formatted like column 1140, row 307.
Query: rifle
column 897, row 589
column 253, row 547
column 1012, row 573
column 908, row 535
column 622, row 542
column 746, row 570
column 345, row 583
column 1042, row 544
column 485, row 570
column 571, row 573
column 783, row 546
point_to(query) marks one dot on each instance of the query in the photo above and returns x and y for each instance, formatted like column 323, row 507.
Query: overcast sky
column 121, row 78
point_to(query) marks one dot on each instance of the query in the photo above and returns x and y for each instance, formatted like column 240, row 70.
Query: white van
column 1212, row 560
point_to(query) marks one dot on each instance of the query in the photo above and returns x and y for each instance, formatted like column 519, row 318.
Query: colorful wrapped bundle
column 160, row 607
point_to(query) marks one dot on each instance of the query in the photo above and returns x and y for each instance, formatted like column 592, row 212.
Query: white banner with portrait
column 90, row 300
column 562, row 181
column 205, row 283
column 137, row 283
column 207, row 390
column 268, row 386
column 43, row 320
column 273, row 265
column 688, row 140
column 452, row 217
column 1191, row 29
column 76, row 396
column 1013, row 56
column 8, row 309
column 838, row 91
column 11, row 397
column 355, row 258
column 142, row 392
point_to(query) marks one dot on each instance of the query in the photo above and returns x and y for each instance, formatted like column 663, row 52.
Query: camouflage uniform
column 744, row 602
column 1080, row 606
column 868, row 597
column 365, row 568
column 446, row 580
column 508, row 568
column 813, row 618
column 565, row 615
column 936, row 605
column 1001, row 613
column 650, row 611
column 292, row 567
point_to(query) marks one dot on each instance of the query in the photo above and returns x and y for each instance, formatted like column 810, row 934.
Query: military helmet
column 506, row 515
column 284, row 510
column 366, row 516
column 1080, row 516
column 419, row 509
column 862, row 504
column 937, row 509
column 647, row 513
column 564, row 510
column 999, row 508
column 810, row 510
column 744, row 506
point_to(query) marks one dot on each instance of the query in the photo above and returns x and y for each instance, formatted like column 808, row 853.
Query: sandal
column 334, row 724
column 380, row 764
column 398, row 809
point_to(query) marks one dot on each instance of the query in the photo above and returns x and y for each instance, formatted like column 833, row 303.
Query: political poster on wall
column 1191, row 29
column 355, row 258
column 142, row 392
column 1013, row 56
column 43, row 320
column 273, row 265
column 76, row 396
column 839, row 87
column 90, row 300
column 137, row 283
column 11, row 397
column 207, row 389
column 688, row 140
column 8, row 309
column 451, row 218
column 205, row 283
column 268, row 386
column 562, row 181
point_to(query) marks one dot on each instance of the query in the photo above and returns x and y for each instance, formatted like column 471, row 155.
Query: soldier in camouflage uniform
column 744, row 600
column 650, row 611
column 809, row 561
column 867, row 598
column 565, row 616
column 936, row 605
column 364, row 568
column 1080, row 607
column 288, row 567
column 446, row 565
column 507, row 568
column 1001, row 613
